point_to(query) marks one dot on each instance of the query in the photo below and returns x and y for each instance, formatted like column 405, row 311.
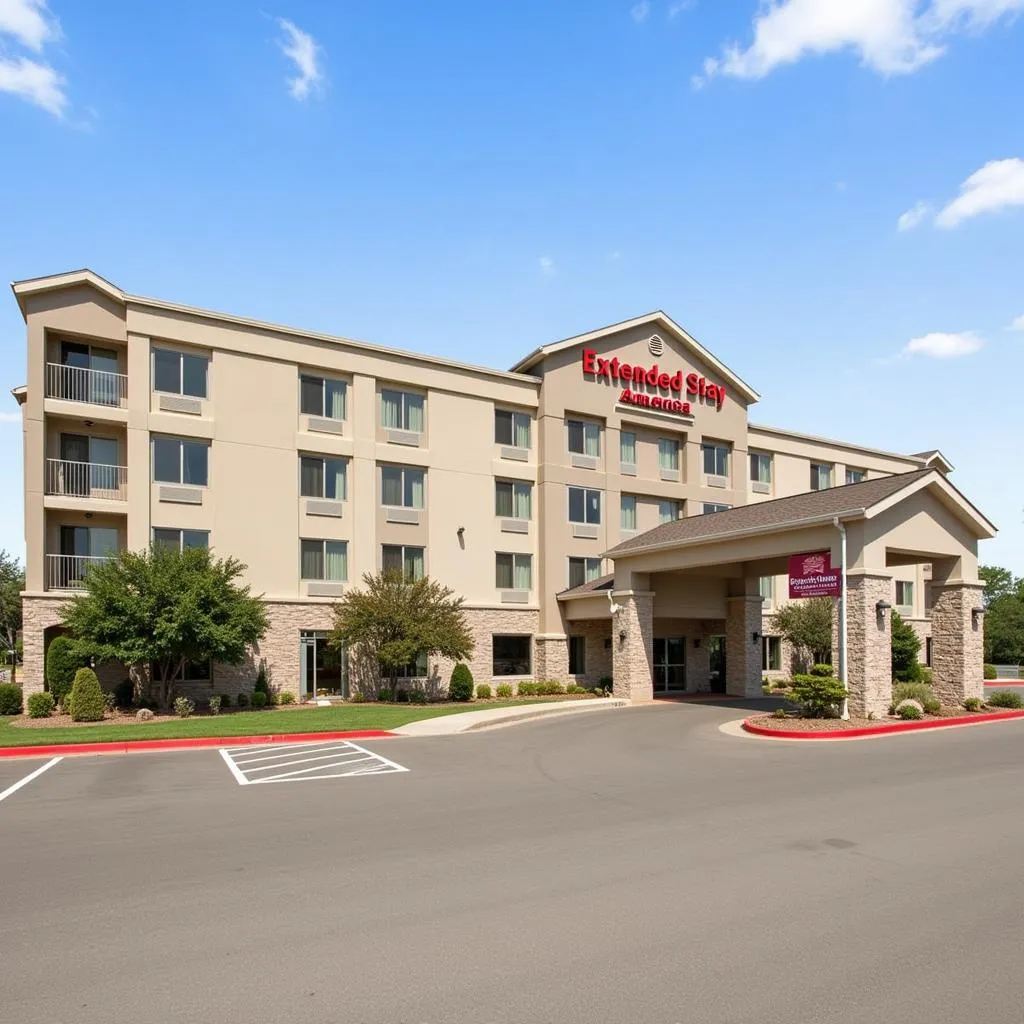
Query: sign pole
column 845, row 714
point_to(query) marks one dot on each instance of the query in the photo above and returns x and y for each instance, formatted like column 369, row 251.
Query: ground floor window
column 416, row 669
column 511, row 656
column 323, row 669
column 928, row 651
column 192, row 672
column 771, row 654
column 577, row 655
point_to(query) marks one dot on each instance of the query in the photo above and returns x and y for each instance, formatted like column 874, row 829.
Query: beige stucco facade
column 97, row 407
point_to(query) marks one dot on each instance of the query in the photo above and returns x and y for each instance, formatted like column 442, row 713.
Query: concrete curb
column 880, row 730
column 494, row 718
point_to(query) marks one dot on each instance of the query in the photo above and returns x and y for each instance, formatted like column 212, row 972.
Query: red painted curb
column 1004, row 682
column 131, row 746
column 875, row 730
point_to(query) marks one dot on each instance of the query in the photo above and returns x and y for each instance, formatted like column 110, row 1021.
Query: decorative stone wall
column 483, row 624
column 550, row 658
column 742, row 652
column 957, row 642
column 38, row 615
column 869, row 645
column 598, row 634
column 633, row 656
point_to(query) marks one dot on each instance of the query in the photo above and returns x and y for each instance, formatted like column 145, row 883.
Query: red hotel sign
column 646, row 379
column 814, row 575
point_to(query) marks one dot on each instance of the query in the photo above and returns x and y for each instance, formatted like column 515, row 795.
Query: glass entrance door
column 323, row 670
column 669, row 664
column 716, row 659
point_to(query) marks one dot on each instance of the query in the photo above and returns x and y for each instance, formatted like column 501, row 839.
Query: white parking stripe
column 326, row 759
column 305, row 771
column 238, row 752
column 10, row 790
column 299, row 760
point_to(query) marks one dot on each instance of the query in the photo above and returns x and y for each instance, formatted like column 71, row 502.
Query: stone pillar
column 742, row 651
column 38, row 615
column 698, row 665
column 869, row 644
column 633, row 646
column 551, row 657
column 957, row 642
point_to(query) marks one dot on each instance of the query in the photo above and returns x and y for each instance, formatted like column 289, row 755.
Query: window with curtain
column 584, row 505
column 322, row 396
column 512, row 500
column 511, row 428
column 771, row 654
column 179, row 540
column 406, row 560
column 766, row 588
column 577, row 655
column 513, row 571
column 904, row 594
column 821, row 476
column 668, row 454
column 855, row 476
column 179, row 373
column 716, row 459
column 627, row 518
column 583, row 570
column 402, row 486
column 667, row 511
column 176, row 461
column 401, row 410
column 760, row 468
column 627, row 447
column 325, row 560
column 714, row 506
column 584, row 437
column 510, row 655
column 321, row 476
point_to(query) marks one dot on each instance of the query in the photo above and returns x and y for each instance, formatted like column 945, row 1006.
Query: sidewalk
column 493, row 718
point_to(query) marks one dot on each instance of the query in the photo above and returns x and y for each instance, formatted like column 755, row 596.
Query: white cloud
column 304, row 50
column 29, row 22
column 917, row 213
column 999, row 184
column 680, row 7
column 10, row 417
column 1017, row 324
column 889, row 36
column 547, row 265
column 640, row 11
column 939, row 345
column 37, row 83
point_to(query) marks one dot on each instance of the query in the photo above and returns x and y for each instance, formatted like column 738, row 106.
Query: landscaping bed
column 794, row 723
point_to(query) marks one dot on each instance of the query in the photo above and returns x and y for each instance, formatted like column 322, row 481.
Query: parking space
column 305, row 762
column 16, row 774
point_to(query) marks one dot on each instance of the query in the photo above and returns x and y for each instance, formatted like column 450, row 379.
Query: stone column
column 551, row 657
column 869, row 644
column 698, row 665
column 633, row 646
column 742, row 651
column 38, row 615
column 957, row 642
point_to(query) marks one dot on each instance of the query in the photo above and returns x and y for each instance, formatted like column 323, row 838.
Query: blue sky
column 829, row 194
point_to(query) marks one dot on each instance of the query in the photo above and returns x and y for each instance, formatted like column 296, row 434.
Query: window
column 716, row 459
column 821, row 476
column 416, row 669
column 667, row 511
column 179, row 373
column 904, row 594
column 179, row 540
column 627, row 516
column 583, row 570
column 766, row 588
column 398, row 558
column 855, row 476
column 714, row 506
column 180, row 462
column 190, row 672
column 627, row 447
column 584, row 506
column 577, row 655
column 510, row 655
column 325, row 560
column 668, row 454
column 928, row 651
column 322, row 396
column 512, row 500
column 401, row 486
column 511, row 428
column 584, row 437
column 771, row 654
column 513, row 572
column 323, row 477
column 760, row 468
column 400, row 410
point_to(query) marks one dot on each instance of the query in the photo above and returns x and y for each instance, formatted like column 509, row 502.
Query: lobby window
column 511, row 655
column 415, row 669
column 583, row 570
column 668, row 455
column 179, row 373
column 401, row 410
column 323, row 396
column 405, row 560
column 766, row 588
column 321, row 476
column 402, row 486
column 821, row 476
column 584, row 506
column 189, row 672
column 325, row 560
column 584, row 437
column 512, row 500
column 511, row 428
column 627, row 448
column 513, row 571
column 577, row 655
column 179, row 540
column 904, row 595
column 177, row 461
column 714, row 506
column 856, row 476
column 771, row 654
column 627, row 516
column 668, row 511
column 761, row 470
column 716, row 459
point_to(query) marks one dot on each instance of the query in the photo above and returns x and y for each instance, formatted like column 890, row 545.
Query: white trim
column 754, row 428
column 961, row 506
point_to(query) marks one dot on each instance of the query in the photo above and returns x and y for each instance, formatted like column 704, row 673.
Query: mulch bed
column 792, row 723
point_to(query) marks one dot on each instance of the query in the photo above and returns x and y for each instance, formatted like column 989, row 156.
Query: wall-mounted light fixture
column 622, row 636
column 976, row 614
column 88, row 515
column 696, row 642
column 881, row 608
column 461, row 530
column 755, row 636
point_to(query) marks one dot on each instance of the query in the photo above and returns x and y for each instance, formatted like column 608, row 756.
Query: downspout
column 842, row 619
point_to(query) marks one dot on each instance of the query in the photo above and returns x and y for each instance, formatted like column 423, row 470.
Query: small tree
column 87, row 700
column 807, row 625
column 162, row 608
column 12, row 583
column 905, row 645
column 397, row 619
column 63, row 659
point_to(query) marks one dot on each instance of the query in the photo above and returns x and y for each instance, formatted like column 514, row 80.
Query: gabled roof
column 35, row 285
column 591, row 588
column 935, row 458
column 658, row 321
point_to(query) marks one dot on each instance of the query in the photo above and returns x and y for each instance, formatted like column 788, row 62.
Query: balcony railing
column 77, row 384
column 86, row 479
column 67, row 572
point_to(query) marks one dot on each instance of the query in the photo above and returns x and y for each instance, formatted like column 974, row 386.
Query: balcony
column 86, row 480
column 67, row 572
column 78, row 384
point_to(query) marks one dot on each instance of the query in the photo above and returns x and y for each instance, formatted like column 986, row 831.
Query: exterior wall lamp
column 755, row 636
column 696, row 642
column 976, row 614
column 881, row 608
column 622, row 636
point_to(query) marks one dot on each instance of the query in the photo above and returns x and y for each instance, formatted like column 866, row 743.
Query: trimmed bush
column 606, row 683
column 461, row 686
column 503, row 690
column 144, row 715
column 40, row 705
column 63, row 660
column 110, row 700
column 10, row 699
column 920, row 692
column 357, row 698
column 822, row 670
column 242, row 700
column 551, row 688
column 225, row 700
column 926, row 675
column 124, row 693
column 910, row 711
column 818, row 696
column 215, row 704
column 87, row 700
column 597, row 691
column 990, row 672
column 779, row 713
column 972, row 704
column 259, row 699
column 417, row 696
column 528, row 689
column 286, row 697
column 483, row 692
column 184, row 706
column 260, row 686
column 1006, row 699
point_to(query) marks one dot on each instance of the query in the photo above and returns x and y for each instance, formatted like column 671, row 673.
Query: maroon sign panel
column 813, row 575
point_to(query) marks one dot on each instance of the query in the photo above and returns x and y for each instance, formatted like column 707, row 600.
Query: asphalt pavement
column 631, row 866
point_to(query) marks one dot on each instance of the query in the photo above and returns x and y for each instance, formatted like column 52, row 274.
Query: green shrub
column 553, row 688
column 990, row 672
column 124, row 693
column 576, row 688
column 242, row 700
column 972, row 704
column 40, row 705
column 259, row 699
column 215, row 704
column 184, row 706
column 822, row 670
column 905, row 645
column 779, row 713
column 910, row 711
column 225, row 700
column 920, row 692
column 417, row 696
column 63, row 659
column 598, row 691
column 401, row 695
column 461, row 686
column 925, row 674
column 87, row 700
column 606, row 683
column 286, row 697
column 528, row 689
column 260, row 686
column 358, row 697
column 10, row 699
column 483, row 691
column 110, row 701
column 818, row 696
column 1006, row 699
column 503, row 690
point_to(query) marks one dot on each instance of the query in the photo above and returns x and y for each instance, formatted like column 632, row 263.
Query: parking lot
column 630, row 865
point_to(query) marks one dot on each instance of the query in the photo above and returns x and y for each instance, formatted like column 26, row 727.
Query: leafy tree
column 998, row 582
column 162, row 608
column 397, row 619
column 807, row 625
column 1004, row 615
column 905, row 646
column 64, row 657
column 12, row 583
